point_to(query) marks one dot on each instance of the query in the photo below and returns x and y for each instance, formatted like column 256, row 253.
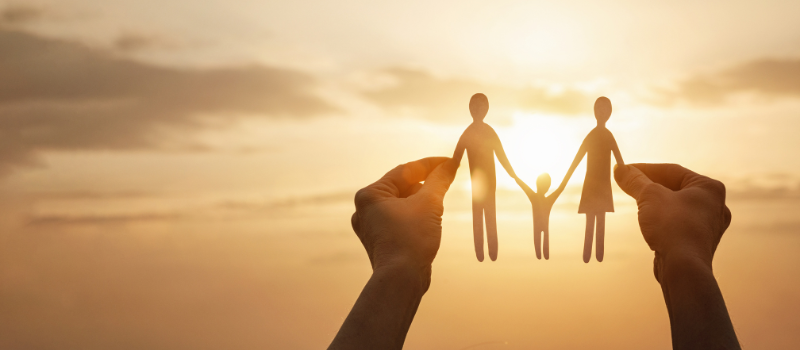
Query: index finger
column 672, row 176
column 400, row 179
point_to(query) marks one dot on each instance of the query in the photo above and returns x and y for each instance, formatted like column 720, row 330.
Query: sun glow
column 540, row 143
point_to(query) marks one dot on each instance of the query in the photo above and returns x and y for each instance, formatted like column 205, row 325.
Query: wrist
column 677, row 265
column 416, row 278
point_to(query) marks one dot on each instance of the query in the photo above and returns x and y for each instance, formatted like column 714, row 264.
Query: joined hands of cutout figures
column 481, row 143
column 596, row 199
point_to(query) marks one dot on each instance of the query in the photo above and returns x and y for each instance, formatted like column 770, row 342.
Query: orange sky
column 179, row 176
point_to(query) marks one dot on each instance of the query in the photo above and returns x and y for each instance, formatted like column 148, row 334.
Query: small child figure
column 541, row 211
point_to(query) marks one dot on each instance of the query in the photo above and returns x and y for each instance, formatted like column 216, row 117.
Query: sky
column 180, row 175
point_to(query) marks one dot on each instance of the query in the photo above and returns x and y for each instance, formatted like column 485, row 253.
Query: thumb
column 631, row 180
column 438, row 182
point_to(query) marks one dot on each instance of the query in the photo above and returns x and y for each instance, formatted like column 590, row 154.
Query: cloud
column 758, row 193
column 91, row 195
column 294, row 202
column 766, row 77
column 763, row 193
column 136, row 42
column 19, row 13
column 63, row 95
column 341, row 257
column 446, row 100
column 765, row 186
column 100, row 219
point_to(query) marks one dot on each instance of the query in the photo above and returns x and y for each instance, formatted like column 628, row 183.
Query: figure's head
column 478, row 106
column 602, row 109
column 543, row 183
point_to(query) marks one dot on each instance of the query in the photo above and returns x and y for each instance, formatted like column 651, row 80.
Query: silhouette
column 596, row 198
column 482, row 143
column 690, row 202
column 541, row 205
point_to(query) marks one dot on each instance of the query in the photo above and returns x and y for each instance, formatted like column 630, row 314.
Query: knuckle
column 437, row 209
column 362, row 197
column 727, row 217
column 717, row 187
column 714, row 187
column 355, row 223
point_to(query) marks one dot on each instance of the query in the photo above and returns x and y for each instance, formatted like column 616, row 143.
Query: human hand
column 682, row 214
column 399, row 220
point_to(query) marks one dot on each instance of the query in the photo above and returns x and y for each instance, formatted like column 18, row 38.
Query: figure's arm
column 460, row 148
column 398, row 220
column 575, row 162
column 560, row 189
column 525, row 187
column 683, row 216
column 501, row 156
column 615, row 149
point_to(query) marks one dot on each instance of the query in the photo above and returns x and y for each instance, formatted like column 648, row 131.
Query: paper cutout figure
column 482, row 144
column 596, row 198
column 541, row 205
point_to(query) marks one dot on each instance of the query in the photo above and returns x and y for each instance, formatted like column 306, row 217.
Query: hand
column 682, row 214
column 399, row 220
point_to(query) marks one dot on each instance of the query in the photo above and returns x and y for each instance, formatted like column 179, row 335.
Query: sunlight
column 540, row 143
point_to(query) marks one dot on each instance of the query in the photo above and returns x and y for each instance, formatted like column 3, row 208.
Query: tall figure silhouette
column 596, row 199
column 482, row 143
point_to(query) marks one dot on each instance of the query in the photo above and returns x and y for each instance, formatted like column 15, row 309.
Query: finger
column 438, row 182
column 354, row 222
column 631, row 180
column 397, row 181
column 402, row 177
column 726, row 217
column 672, row 176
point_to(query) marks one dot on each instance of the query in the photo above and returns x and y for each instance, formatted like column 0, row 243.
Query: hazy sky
column 177, row 141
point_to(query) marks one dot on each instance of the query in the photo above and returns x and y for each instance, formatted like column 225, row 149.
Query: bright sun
column 539, row 143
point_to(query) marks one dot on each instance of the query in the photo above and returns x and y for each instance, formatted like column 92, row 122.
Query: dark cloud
column 766, row 186
column 61, row 95
column 766, row 77
column 135, row 42
column 19, row 13
column 196, row 213
column 757, row 193
column 342, row 257
column 100, row 219
column 90, row 195
column 780, row 227
column 447, row 99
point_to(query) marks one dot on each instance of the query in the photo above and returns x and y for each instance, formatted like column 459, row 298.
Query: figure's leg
column 546, row 247
column 537, row 243
column 491, row 224
column 601, row 235
column 587, row 243
column 477, row 226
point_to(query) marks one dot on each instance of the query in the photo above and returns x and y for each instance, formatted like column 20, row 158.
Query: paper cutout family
column 481, row 143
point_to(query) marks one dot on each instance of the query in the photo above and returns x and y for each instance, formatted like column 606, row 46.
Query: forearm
column 459, row 152
column 501, row 157
column 698, row 316
column 574, row 165
column 618, row 157
column 383, row 312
